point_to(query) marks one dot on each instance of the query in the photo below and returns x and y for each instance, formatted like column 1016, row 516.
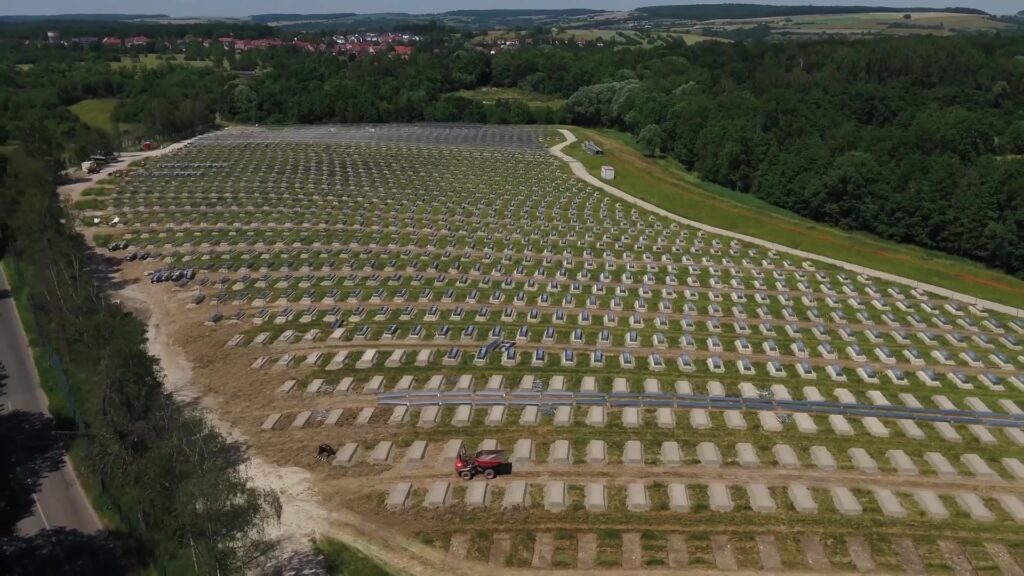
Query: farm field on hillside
column 647, row 39
column 868, row 23
column 663, row 397
column 665, row 184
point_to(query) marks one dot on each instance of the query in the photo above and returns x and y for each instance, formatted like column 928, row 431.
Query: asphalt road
column 60, row 500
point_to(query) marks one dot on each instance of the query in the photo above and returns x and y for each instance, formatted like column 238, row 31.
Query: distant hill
column 740, row 11
column 510, row 13
column 265, row 18
column 81, row 17
column 456, row 18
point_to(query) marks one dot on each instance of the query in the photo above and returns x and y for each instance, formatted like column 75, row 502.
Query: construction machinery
column 486, row 462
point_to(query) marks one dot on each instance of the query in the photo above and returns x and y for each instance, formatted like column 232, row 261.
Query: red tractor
column 486, row 462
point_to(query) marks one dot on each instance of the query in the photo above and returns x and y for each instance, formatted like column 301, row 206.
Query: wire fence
column 62, row 384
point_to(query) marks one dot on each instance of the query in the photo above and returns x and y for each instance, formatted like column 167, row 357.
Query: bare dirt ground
column 814, row 553
column 908, row 556
column 543, row 549
column 769, row 552
column 632, row 557
column 587, row 550
column 724, row 557
column 458, row 547
column 500, row 547
column 302, row 515
column 956, row 558
column 1004, row 559
column 677, row 553
column 860, row 553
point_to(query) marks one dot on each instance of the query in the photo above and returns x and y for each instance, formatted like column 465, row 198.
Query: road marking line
column 41, row 515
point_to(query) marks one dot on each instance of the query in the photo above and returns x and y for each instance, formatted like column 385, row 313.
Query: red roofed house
column 258, row 44
column 111, row 41
column 136, row 41
column 402, row 50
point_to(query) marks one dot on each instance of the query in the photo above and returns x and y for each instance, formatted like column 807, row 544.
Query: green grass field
column 96, row 112
column 871, row 24
column 695, row 38
column 649, row 39
column 880, row 20
column 344, row 560
column 599, row 34
column 154, row 60
column 491, row 95
column 665, row 183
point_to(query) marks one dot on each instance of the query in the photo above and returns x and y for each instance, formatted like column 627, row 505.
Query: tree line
column 918, row 140
column 167, row 480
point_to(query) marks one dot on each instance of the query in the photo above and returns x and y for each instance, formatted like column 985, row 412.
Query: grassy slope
column 691, row 39
column 489, row 95
column 597, row 34
column 344, row 560
column 665, row 184
column 96, row 112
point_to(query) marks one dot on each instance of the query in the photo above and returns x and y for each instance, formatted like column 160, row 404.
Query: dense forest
column 916, row 140
column 168, row 480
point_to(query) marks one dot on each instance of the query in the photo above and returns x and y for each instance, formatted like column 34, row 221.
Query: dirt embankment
column 302, row 515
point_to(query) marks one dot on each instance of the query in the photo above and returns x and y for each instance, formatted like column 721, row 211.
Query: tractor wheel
column 466, row 475
column 489, row 474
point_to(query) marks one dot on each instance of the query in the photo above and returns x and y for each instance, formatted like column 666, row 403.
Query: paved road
column 60, row 500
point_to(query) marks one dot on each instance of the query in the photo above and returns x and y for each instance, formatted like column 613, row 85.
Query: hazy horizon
column 237, row 8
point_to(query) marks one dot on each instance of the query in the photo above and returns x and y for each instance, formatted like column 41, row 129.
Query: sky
column 246, row 7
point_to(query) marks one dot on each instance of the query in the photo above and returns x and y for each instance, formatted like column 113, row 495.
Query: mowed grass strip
column 96, row 112
column 492, row 95
column 664, row 183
